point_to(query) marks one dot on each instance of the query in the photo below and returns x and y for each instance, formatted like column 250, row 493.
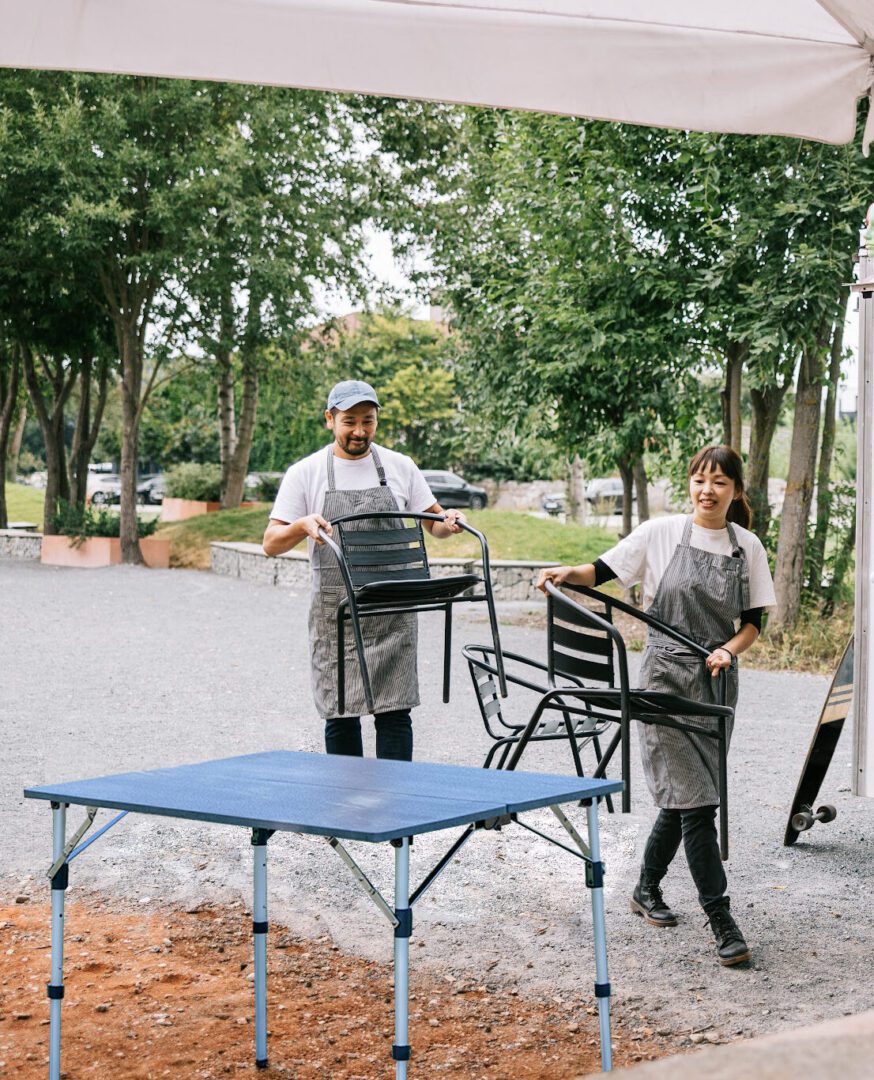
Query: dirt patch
column 170, row 994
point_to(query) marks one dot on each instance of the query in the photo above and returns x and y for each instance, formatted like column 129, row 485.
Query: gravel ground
column 111, row 670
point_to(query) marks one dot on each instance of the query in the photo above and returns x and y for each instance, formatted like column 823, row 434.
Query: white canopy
column 791, row 67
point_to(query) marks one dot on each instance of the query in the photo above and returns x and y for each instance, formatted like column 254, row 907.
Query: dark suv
column 452, row 491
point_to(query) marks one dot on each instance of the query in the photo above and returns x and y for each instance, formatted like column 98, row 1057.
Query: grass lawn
column 24, row 503
column 510, row 535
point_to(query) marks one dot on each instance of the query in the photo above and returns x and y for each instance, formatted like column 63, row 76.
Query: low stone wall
column 510, row 580
column 19, row 545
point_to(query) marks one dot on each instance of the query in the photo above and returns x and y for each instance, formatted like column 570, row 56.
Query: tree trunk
column 79, row 450
column 579, row 507
column 232, row 491
column 10, row 372
column 640, row 486
column 227, row 417
column 816, row 558
column 792, row 544
column 17, row 438
column 50, row 415
column 766, row 405
column 131, row 351
column 626, row 471
column 732, row 427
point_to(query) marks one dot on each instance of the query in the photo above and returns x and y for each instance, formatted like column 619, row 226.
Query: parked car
column 150, row 491
column 104, row 488
column 554, row 504
column 453, row 491
column 606, row 494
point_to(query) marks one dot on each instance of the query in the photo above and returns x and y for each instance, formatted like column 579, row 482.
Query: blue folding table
column 338, row 798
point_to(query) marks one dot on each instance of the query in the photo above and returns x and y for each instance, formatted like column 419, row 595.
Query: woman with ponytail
column 707, row 575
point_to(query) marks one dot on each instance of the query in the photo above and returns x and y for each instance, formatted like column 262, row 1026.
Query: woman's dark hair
column 728, row 461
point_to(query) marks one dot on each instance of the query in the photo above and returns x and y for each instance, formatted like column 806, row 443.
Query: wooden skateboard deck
column 822, row 747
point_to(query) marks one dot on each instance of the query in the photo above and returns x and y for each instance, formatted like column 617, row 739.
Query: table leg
column 602, row 983
column 404, row 914
column 56, row 986
column 259, row 928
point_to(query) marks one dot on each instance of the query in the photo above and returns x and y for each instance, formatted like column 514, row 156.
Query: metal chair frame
column 392, row 566
column 646, row 706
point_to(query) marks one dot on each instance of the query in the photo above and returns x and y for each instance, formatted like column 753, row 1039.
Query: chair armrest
column 483, row 664
column 656, row 624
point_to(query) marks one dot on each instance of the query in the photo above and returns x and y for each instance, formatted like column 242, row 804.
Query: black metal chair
column 385, row 570
column 559, row 721
column 576, row 634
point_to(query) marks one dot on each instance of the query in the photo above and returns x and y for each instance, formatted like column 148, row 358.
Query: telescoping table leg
column 595, row 881
column 404, row 914
column 259, row 929
column 56, row 986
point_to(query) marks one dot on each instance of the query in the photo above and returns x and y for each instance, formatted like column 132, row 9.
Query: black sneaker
column 731, row 948
column 647, row 900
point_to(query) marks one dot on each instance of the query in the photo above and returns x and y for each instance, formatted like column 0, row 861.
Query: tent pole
column 863, row 748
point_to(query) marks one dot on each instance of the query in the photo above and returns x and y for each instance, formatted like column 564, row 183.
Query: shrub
column 268, row 486
column 200, row 482
column 84, row 521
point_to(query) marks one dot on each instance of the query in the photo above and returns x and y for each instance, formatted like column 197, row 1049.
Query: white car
column 103, row 488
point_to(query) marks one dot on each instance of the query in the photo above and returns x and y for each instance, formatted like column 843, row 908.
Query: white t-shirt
column 303, row 487
column 644, row 554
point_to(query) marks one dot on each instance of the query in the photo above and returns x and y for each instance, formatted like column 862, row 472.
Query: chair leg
column 625, row 731
column 575, row 750
column 598, row 774
column 596, row 742
column 496, row 641
column 723, row 790
column 447, row 650
column 362, row 660
column 341, row 663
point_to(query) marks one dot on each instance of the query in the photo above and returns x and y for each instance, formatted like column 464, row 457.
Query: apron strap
column 380, row 471
column 686, row 538
column 737, row 552
column 331, row 483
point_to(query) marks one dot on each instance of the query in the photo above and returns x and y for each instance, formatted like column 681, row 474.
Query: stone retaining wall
column 19, row 545
column 510, row 580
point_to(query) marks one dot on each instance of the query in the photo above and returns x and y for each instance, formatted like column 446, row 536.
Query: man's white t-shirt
column 303, row 487
column 643, row 556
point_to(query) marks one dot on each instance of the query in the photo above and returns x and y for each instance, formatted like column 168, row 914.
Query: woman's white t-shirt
column 643, row 556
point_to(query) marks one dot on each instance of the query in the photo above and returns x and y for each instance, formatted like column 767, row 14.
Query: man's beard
column 355, row 448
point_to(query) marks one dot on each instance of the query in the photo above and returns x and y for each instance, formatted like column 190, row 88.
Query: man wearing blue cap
column 353, row 476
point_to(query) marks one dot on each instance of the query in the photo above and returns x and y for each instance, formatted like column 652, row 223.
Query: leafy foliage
column 85, row 521
column 191, row 481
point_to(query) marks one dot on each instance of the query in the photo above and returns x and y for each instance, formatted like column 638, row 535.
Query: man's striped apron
column 390, row 641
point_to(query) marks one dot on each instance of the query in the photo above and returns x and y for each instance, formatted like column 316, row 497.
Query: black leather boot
column 731, row 948
column 647, row 900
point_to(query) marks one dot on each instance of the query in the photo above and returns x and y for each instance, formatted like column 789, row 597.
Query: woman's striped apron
column 701, row 594
column 390, row 641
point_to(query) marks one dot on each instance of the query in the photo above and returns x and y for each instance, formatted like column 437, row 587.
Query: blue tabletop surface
column 328, row 795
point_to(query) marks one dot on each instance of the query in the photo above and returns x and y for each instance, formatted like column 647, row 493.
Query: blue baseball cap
column 351, row 392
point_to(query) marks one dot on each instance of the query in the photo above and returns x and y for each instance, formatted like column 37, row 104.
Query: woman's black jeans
column 697, row 830
column 394, row 735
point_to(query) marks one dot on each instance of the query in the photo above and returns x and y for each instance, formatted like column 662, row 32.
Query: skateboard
column 822, row 747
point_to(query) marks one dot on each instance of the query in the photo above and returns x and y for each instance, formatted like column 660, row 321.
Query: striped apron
column 701, row 594
column 390, row 641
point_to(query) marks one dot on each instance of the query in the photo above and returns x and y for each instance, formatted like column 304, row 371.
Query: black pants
column 394, row 735
column 697, row 831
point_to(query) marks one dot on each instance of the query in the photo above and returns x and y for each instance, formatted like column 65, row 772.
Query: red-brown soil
column 158, row 994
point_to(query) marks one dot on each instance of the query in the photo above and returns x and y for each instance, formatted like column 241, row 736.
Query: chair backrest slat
column 371, row 537
column 390, row 557
column 365, row 577
column 592, row 642
column 566, row 663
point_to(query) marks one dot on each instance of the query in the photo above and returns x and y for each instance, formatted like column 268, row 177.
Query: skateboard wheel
column 802, row 821
column 826, row 813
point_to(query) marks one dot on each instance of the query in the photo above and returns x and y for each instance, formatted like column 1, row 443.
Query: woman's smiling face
column 712, row 493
